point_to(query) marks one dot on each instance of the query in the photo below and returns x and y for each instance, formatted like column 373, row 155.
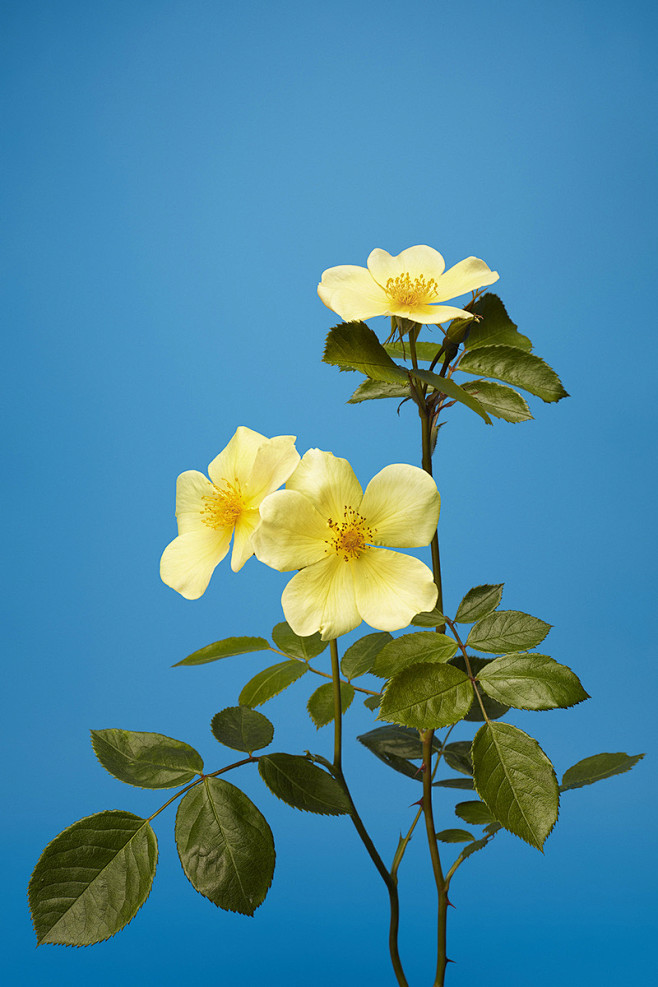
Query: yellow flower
column 410, row 286
column 326, row 526
column 210, row 511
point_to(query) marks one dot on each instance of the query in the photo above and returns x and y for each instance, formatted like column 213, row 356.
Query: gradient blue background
column 179, row 176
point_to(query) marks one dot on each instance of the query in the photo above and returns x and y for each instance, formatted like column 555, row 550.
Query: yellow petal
column 191, row 488
column 242, row 539
column 351, row 292
column 401, row 504
column 321, row 598
column 292, row 534
column 327, row 481
column 467, row 275
column 391, row 588
column 275, row 461
column 417, row 261
column 432, row 314
column 188, row 562
column 236, row 461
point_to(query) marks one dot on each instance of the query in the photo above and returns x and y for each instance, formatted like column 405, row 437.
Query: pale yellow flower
column 410, row 285
column 324, row 525
column 210, row 511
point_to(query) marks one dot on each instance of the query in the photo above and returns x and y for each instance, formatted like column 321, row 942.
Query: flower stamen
column 349, row 536
column 223, row 506
column 405, row 292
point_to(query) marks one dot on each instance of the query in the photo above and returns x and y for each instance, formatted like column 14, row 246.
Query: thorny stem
column 469, row 670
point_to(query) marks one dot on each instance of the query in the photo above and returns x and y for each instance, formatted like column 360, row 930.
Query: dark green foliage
column 516, row 367
column 531, row 681
column 452, row 389
column 373, row 702
column 301, row 784
column 476, row 813
column 457, row 756
column 596, row 768
column 495, row 326
column 321, row 703
column 147, row 760
column 427, row 696
column 454, row 836
column 431, row 618
column 409, row 649
column 225, row 649
column 295, row 646
column 499, row 400
column 242, row 729
column 353, row 346
column 466, row 783
column 271, row 681
column 507, row 630
column 479, row 602
column 360, row 656
column 373, row 390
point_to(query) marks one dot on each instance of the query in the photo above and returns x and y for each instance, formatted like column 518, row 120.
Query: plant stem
column 427, row 466
column 360, row 828
column 427, row 736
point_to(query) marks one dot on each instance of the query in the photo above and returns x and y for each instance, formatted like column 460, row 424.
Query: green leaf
column 147, row 760
column 516, row 367
column 373, row 702
column 401, row 741
column 499, row 400
column 454, row 783
column 453, row 390
column 359, row 657
column 596, row 768
column 225, row 649
column 454, row 836
column 507, row 630
column 427, row 696
column 301, row 784
column 409, row 649
column 430, row 618
column 242, row 729
column 92, row 879
column 479, row 602
column 495, row 327
column 352, row 345
column 373, row 390
column 494, row 710
column 225, row 846
column 473, row 848
column 271, row 681
column 516, row 780
column 321, row 703
column 425, row 351
column 531, row 681
column 476, row 813
column 457, row 756
column 292, row 644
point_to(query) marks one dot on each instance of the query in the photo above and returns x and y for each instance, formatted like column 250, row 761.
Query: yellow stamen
column 349, row 536
column 223, row 506
column 405, row 292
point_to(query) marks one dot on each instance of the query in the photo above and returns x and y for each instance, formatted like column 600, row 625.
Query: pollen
column 223, row 506
column 407, row 292
column 350, row 536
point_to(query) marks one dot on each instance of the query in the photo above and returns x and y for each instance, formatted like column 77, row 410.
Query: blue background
column 180, row 174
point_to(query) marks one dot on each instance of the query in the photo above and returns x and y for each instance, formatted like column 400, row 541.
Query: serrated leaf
column 225, row 649
column 374, row 390
column 495, row 326
column 295, row 646
column 516, row 780
column 301, row 784
column 271, row 681
column 373, row 702
column 92, row 879
column 409, row 649
column 493, row 709
column 359, row 657
column 429, row 618
column 476, row 813
column 466, row 783
column 457, row 756
column 401, row 741
column 427, row 696
column 516, row 367
column 425, row 351
column 596, row 768
column 225, row 846
column 531, row 681
column 500, row 400
column 354, row 346
column 473, row 848
column 454, row 836
column 147, row 760
column 479, row 602
column 453, row 390
column 507, row 630
column 321, row 703
column 242, row 729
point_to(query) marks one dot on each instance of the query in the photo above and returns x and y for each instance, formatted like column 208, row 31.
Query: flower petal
column 236, row 461
column 467, row 275
column 327, row 481
column 291, row 534
column 321, row 598
column 432, row 314
column 351, row 292
column 188, row 562
column 275, row 461
column 191, row 488
column 243, row 547
column 415, row 261
column 391, row 588
column 401, row 503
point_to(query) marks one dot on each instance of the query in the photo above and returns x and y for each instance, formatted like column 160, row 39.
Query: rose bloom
column 210, row 511
column 324, row 525
column 411, row 286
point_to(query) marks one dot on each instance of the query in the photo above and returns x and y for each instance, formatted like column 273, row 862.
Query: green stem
column 193, row 784
column 427, row 466
column 360, row 828
column 427, row 736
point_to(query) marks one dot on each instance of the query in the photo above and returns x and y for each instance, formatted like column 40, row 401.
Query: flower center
column 223, row 506
column 405, row 292
column 349, row 536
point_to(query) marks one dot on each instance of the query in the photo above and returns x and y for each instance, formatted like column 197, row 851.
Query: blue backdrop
column 179, row 176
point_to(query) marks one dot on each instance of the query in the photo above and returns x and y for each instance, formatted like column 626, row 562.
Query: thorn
column 419, row 802
column 450, row 961
column 448, row 902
